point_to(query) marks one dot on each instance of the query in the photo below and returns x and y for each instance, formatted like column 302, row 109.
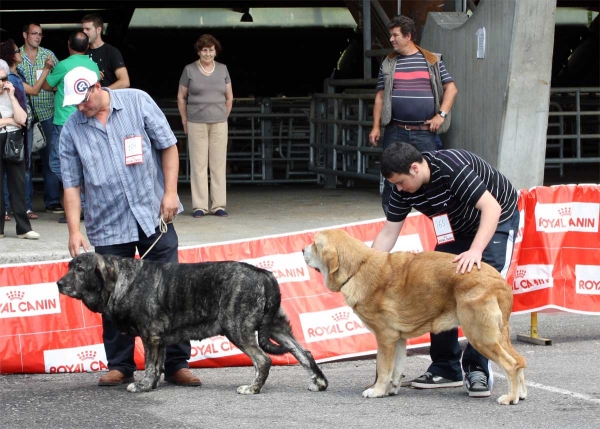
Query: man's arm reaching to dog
column 387, row 237
column 490, row 215
column 72, row 201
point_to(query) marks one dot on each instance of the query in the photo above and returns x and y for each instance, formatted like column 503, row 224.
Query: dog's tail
column 270, row 316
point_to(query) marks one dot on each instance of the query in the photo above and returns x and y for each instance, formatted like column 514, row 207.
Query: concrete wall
column 501, row 110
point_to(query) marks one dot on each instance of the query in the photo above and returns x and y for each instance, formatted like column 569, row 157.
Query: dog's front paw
column 137, row 388
column 374, row 392
column 507, row 400
column 248, row 390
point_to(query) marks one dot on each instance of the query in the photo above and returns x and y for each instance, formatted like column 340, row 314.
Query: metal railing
column 573, row 127
column 339, row 132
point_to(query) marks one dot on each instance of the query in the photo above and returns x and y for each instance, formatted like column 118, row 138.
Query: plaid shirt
column 42, row 104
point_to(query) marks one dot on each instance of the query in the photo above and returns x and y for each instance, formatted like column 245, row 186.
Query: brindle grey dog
column 167, row 303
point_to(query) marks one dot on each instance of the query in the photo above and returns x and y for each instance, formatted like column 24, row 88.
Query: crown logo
column 520, row 273
column 342, row 315
column 15, row 294
column 87, row 355
column 564, row 211
column 265, row 265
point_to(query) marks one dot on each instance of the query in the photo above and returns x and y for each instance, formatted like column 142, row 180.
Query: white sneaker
column 31, row 235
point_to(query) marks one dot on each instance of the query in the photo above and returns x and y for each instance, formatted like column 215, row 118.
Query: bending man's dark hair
column 398, row 158
column 79, row 41
column 407, row 26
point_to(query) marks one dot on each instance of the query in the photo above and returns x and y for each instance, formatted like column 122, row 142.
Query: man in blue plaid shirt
column 34, row 57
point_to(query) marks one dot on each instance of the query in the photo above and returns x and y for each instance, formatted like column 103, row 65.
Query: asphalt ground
column 563, row 383
column 563, row 379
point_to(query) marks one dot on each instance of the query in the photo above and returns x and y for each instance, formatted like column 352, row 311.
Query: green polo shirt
column 56, row 79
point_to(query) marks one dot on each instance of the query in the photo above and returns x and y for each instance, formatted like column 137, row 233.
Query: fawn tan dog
column 404, row 295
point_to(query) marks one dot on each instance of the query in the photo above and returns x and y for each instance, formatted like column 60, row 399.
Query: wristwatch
column 442, row 114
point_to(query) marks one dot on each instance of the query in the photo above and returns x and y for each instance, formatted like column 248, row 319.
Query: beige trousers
column 208, row 150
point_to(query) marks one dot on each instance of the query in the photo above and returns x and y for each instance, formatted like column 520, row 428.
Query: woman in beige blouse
column 204, row 100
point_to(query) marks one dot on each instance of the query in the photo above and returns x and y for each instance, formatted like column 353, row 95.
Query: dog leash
column 163, row 226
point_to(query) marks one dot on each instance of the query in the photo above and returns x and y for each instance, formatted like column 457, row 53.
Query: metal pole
column 399, row 6
column 366, row 38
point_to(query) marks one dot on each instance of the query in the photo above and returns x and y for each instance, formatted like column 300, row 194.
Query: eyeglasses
column 3, row 78
column 17, row 51
column 35, row 33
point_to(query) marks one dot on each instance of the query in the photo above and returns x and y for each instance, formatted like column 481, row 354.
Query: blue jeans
column 51, row 184
column 423, row 141
column 54, row 154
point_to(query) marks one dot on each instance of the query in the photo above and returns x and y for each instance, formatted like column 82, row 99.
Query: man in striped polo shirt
column 456, row 188
column 415, row 93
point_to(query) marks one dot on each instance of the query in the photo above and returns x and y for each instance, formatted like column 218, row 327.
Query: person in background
column 205, row 99
column 13, row 119
column 12, row 56
column 109, row 59
column 415, row 93
column 78, row 44
column 37, row 63
column 129, row 177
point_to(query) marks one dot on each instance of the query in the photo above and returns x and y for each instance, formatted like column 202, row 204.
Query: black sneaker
column 430, row 381
column 476, row 383
column 55, row 208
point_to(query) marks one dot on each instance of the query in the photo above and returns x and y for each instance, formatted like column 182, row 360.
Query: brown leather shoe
column 183, row 377
column 114, row 378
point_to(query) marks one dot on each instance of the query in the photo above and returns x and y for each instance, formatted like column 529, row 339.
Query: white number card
column 133, row 150
column 443, row 229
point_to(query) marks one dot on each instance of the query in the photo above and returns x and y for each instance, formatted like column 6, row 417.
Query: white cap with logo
column 77, row 82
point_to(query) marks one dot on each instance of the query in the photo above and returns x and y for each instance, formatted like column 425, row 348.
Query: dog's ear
column 331, row 259
column 105, row 272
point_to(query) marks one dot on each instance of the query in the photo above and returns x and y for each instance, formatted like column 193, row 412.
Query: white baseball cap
column 77, row 82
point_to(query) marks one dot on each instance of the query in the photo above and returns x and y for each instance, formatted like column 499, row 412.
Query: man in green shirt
column 78, row 44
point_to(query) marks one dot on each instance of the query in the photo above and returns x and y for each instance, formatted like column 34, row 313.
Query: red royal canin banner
column 556, row 265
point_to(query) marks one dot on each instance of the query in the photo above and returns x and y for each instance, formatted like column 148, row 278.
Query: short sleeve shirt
column 118, row 196
column 206, row 94
column 109, row 59
column 56, row 78
column 458, row 180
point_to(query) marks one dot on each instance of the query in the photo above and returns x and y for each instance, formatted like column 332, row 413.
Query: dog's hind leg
column 504, row 360
column 155, row 351
column 262, row 365
column 521, row 362
column 282, row 333
column 399, row 364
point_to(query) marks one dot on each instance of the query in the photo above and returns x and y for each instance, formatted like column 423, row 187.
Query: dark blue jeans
column 51, row 184
column 423, row 141
column 119, row 347
column 445, row 350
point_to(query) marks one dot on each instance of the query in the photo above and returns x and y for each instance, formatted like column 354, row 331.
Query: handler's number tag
column 443, row 229
column 133, row 150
